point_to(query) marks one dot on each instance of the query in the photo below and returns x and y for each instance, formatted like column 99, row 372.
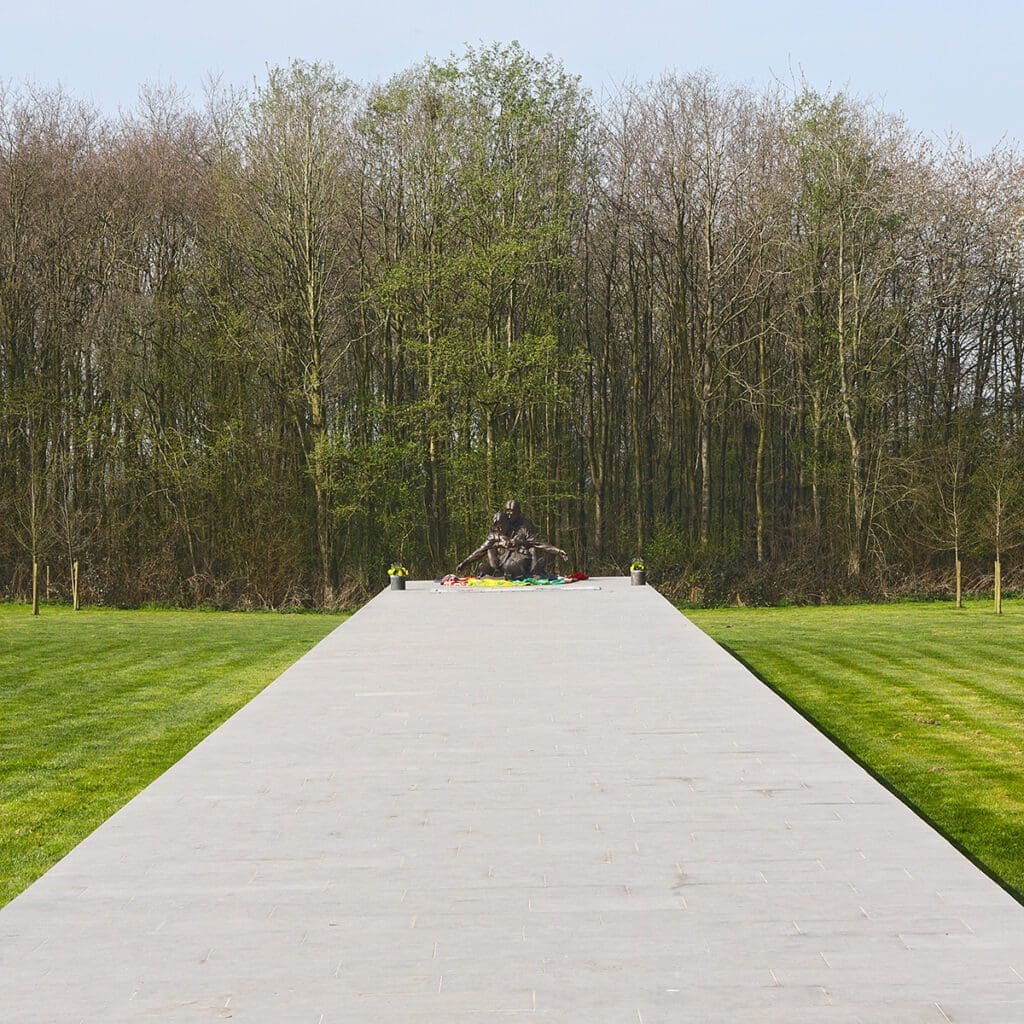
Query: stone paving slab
column 618, row 824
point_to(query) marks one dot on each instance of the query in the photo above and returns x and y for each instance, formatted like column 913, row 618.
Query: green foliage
column 376, row 494
column 251, row 353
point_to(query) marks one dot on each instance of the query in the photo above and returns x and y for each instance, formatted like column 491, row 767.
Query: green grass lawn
column 929, row 698
column 96, row 704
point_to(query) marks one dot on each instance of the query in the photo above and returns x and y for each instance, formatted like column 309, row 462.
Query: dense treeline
column 252, row 352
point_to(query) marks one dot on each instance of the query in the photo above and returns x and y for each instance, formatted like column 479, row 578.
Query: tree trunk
column 491, row 485
column 858, row 529
column 759, row 490
column 705, row 459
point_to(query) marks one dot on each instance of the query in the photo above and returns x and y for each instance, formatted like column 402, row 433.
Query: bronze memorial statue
column 512, row 548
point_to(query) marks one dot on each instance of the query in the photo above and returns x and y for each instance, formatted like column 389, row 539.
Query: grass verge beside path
column 929, row 698
column 95, row 704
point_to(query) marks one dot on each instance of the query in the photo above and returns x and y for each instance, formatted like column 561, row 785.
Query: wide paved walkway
column 563, row 805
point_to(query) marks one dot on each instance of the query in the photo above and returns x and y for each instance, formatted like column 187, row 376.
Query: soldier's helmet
column 512, row 508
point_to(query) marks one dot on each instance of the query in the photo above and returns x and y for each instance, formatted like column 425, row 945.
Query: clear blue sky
column 944, row 65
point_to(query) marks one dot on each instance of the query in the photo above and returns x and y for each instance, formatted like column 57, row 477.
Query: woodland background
column 253, row 350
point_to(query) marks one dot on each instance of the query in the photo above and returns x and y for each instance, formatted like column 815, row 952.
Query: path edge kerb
column 1018, row 897
column 188, row 753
